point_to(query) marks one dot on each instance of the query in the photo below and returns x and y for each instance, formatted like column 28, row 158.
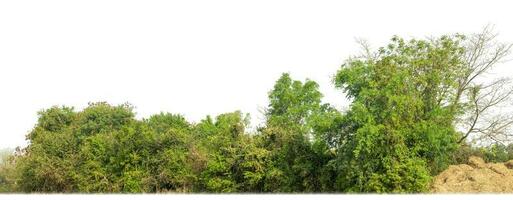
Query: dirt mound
column 476, row 176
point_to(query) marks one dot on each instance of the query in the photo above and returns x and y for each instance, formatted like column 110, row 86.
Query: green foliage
column 494, row 153
column 104, row 149
column 234, row 163
column 399, row 128
column 102, row 117
column 50, row 158
column 296, row 123
column 397, row 133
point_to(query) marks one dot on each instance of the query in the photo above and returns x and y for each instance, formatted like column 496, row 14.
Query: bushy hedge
column 398, row 132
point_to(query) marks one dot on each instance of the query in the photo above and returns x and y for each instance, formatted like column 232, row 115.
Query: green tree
column 170, row 158
column 399, row 128
column 233, row 163
column 47, row 164
column 298, row 152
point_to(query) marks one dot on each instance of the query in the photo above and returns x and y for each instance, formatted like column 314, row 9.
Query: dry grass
column 475, row 177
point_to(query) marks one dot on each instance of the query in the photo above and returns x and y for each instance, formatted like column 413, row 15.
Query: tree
column 485, row 119
column 89, row 151
column 399, row 129
column 297, row 152
column 170, row 159
column 47, row 164
column 233, row 162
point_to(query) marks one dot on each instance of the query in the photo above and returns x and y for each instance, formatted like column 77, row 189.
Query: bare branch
column 484, row 120
column 366, row 49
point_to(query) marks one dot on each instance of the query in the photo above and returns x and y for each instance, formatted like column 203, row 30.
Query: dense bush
column 400, row 129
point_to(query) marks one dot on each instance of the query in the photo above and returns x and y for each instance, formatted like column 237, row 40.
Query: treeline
column 105, row 149
column 413, row 104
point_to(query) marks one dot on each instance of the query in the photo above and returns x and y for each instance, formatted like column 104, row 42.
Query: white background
column 199, row 57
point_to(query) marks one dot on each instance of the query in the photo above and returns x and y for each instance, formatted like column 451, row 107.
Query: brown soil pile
column 475, row 177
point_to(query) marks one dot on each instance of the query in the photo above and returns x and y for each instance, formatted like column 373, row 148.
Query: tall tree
column 399, row 127
column 486, row 118
column 293, row 113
